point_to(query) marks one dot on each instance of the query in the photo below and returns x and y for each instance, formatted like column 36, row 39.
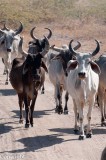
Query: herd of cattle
column 74, row 72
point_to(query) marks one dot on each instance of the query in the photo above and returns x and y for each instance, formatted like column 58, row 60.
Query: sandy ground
column 52, row 137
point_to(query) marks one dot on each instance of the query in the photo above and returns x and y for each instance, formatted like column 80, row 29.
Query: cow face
column 83, row 64
column 9, row 36
column 32, row 65
column 36, row 46
column 84, row 61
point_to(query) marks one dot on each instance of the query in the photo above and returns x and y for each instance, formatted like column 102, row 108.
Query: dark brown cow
column 27, row 77
column 37, row 45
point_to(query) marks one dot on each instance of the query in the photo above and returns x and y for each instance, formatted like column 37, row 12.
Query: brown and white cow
column 27, row 77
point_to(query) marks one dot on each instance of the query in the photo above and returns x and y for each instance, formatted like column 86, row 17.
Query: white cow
column 82, row 85
column 57, row 63
column 9, row 47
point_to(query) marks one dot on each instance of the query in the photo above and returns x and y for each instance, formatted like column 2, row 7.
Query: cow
column 40, row 44
column 26, row 77
column 1, row 34
column 101, row 61
column 57, row 63
column 82, row 85
column 9, row 47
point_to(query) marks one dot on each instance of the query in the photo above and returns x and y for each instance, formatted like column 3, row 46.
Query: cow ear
column 44, row 66
column 72, row 64
column 95, row 67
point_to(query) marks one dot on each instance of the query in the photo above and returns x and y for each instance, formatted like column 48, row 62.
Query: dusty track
column 52, row 137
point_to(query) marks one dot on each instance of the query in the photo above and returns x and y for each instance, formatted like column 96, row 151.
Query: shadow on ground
column 37, row 114
column 4, row 128
column 7, row 92
column 32, row 144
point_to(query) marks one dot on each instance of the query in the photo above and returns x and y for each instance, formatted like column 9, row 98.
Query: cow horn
column 47, row 46
column 21, row 48
column 5, row 28
column 97, row 48
column 50, row 33
column 77, row 46
column 71, row 49
column 32, row 35
column 19, row 30
column 57, row 49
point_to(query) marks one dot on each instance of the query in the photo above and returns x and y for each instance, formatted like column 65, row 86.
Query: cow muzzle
column 8, row 50
column 82, row 75
column 36, row 77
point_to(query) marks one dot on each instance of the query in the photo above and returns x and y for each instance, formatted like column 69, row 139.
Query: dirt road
column 52, row 137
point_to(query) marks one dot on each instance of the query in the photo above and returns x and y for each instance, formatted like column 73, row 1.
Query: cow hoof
column 65, row 111
column 103, row 124
column 89, row 135
column 42, row 92
column 56, row 110
column 81, row 137
column 31, row 125
column 26, row 125
column 21, row 121
column 60, row 111
column 6, row 83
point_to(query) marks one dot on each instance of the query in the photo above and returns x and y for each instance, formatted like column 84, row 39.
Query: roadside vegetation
column 86, row 18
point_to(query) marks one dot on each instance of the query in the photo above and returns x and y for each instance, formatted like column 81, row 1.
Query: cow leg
column 76, row 127
column 104, row 111
column 66, row 100
column 4, row 72
column 43, row 89
column 32, row 109
column 91, row 104
column 27, row 110
column 21, row 105
column 59, row 98
column 7, row 78
column 102, row 105
column 56, row 100
column 81, row 118
column 7, row 67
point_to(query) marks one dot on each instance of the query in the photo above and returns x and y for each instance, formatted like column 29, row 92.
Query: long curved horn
column 71, row 49
column 5, row 28
column 50, row 33
column 97, row 48
column 77, row 46
column 47, row 46
column 32, row 35
column 19, row 30
column 21, row 47
column 57, row 49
